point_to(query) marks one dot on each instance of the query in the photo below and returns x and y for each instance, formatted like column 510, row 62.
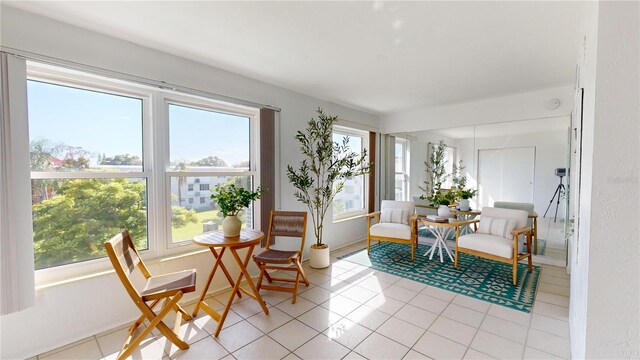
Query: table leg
column 253, row 287
column 432, row 249
column 243, row 273
column 209, row 279
column 224, row 269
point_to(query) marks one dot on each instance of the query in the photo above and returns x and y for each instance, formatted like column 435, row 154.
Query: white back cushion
column 398, row 216
column 496, row 226
column 520, row 216
column 397, row 205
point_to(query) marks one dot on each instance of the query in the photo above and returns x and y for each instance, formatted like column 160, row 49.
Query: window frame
column 254, row 156
column 155, row 156
column 84, row 81
column 405, row 171
column 364, row 135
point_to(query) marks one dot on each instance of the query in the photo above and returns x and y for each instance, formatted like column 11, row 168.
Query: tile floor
column 554, row 234
column 353, row 312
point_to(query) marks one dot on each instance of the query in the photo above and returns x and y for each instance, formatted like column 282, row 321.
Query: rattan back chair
column 291, row 225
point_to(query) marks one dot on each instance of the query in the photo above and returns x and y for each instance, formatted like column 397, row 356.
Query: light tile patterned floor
column 352, row 312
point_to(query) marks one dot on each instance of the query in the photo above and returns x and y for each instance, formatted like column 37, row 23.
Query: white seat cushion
column 489, row 244
column 392, row 230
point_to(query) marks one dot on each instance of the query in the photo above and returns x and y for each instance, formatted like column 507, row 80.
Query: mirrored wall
column 518, row 161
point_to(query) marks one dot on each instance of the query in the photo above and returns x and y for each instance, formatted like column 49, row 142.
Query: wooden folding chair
column 290, row 224
column 169, row 287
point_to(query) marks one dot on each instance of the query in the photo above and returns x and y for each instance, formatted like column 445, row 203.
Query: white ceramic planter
column 319, row 257
column 231, row 226
column 444, row 211
column 464, row 205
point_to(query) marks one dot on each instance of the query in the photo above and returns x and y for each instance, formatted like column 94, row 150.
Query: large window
column 401, row 169
column 220, row 155
column 101, row 163
column 351, row 201
column 88, row 174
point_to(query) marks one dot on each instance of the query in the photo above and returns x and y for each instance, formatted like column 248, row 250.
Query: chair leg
column 412, row 250
column 515, row 271
column 301, row 271
column 295, row 288
column 529, row 257
column 368, row 244
column 185, row 315
column 262, row 271
column 455, row 257
column 156, row 322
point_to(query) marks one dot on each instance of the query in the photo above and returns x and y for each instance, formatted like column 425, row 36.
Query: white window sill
column 349, row 218
column 109, row 270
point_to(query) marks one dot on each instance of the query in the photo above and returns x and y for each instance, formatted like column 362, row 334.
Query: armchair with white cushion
column 502, row 235
column 395, row 222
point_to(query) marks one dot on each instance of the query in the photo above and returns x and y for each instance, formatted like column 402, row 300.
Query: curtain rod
column 131, row 78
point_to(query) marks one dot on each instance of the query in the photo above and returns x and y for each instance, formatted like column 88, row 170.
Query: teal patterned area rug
column 424, row 233
column 478, row 278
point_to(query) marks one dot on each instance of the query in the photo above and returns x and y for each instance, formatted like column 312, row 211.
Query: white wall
column 605, row 290
column 70, row 312
column 551, row 153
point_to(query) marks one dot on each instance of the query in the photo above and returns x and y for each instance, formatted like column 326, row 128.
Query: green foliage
column 41, row 153
column 74, row 224
column 232, row 199
column 121, row 159
column 326, row 167
column 443, row 197
column 460, row 183
column 181, row 217
column 466, row 193
column 210, row 161
column 436, row 169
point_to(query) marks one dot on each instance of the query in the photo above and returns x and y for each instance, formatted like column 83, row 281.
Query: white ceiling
column 383, row 57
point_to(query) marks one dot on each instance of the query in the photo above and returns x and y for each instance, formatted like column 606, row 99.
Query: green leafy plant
column 232, row 199
column 436, row 170
column 326, row 167
column 466, row 193
column 442, row 197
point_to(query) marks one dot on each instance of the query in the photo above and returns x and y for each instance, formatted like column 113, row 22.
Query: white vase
column 319, row 257
column 464, row 205
column 444, row 211
column 231, row 226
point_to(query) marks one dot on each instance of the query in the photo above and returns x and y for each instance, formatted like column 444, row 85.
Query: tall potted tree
column 322, row 174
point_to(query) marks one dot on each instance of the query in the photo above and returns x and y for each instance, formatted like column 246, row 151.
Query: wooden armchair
column 395, row 222
column 502, row 235
column 168, row 287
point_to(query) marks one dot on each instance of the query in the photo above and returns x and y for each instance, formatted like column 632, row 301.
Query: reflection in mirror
column 505, row 162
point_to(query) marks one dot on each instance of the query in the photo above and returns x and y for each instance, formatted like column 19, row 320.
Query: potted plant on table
column 231, row 200
column 442, row 199
column 322, row 174
column 465, row 195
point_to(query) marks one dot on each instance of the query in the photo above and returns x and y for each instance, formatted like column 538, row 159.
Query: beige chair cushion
column 489, row 244
column 395, row 205
column 398, row 231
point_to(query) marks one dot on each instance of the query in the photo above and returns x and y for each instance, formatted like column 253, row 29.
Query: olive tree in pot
column 322, row 174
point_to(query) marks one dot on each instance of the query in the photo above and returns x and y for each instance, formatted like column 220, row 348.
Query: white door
column 506, row 175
